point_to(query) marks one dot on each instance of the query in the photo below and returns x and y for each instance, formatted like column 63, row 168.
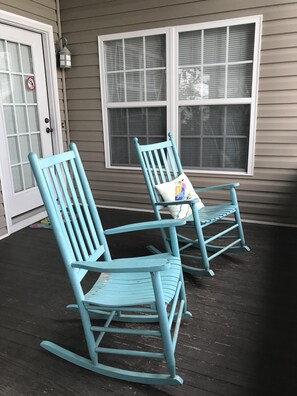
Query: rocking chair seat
column 120, row 289
column 213, row 213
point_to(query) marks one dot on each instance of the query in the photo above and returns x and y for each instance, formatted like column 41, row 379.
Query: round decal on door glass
column 30, row 83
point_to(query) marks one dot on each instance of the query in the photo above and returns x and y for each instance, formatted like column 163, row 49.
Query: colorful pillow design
column 179, row 189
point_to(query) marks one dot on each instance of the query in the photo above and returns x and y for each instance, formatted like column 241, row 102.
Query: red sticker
column 30, row 82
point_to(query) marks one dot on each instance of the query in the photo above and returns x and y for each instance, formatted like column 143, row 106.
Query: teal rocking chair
column 132, row 297
column 160, row 164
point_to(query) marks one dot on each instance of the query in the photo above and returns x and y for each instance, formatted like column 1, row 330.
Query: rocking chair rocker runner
column 141, row 289
column 161, row 167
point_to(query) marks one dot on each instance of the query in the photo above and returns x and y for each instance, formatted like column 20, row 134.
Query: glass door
column 24, row 113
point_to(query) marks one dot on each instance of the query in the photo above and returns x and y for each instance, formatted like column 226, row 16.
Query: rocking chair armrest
column 218, row 187
column 125, row 265
column 147, row 225
column 181, row 202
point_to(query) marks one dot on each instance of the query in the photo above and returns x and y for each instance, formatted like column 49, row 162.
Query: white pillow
column 176, row 190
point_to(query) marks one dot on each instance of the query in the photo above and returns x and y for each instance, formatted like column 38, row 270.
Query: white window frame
column 172, row 102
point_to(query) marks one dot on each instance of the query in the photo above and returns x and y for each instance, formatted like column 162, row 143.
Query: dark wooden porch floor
column 240, row 341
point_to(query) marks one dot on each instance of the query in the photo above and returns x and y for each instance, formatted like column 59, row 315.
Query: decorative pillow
column 178, row 189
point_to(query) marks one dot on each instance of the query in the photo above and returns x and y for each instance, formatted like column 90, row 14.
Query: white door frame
column 47, row 36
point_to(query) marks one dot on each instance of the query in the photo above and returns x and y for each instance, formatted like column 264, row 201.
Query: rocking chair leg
column 164, row 326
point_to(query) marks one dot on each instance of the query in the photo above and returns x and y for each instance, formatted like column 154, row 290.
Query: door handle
column 49, row 130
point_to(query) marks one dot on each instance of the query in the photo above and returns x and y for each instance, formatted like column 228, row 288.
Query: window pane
column 215, row 45
column 135, row 86
column 137, row 122
column 156, row 122
column 114, row 55
column 214, row 82
column 213, row 120
column 241, row 42
column 240, row 81
column 190, row 152
column 190, row 84
column 119, row 151
column 190, row 120
column 213, row 153
column 156, row 85
column 155, row 51
column 115, row 87
column 236, row 154
column 134, row 53
column 238, row 120
column 117, row 119
column 190, row 48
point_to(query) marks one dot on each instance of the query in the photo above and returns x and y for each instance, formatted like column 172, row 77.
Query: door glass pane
column 33, row 119
column 36, row 143
column 14, row 154
column 17, row 88
column 9, row 120
column 26, row 59
column 25, row 147
column 5, row 90
column 28, row 176
column 21, row 119
column 14, row 57
column 17, row 178
column 3, row 56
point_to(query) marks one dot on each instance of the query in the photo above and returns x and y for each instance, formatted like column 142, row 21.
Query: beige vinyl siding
column 43, row 11
column 269, row 194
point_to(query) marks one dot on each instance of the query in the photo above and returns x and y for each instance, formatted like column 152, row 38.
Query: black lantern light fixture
column 64, row 55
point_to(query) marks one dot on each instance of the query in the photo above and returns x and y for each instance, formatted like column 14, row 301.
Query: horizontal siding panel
column 276, row 162
column 88, row 156
column 93, row 147
column 277, row 124
column 278, row 69
column 83, row 48
column 285, row 150
column 86, row 60
column 85, row 126
column 87, row 136
column 79, row 104
column 83, row 93
column 90, row 71
column 274, row 55
column 278, row 83
column 33, row 8
column 277, row 174
column 85, row 115
column 280, row 26
column 287, row 137
column 285, row 40
column 279, row 97
column 277, row 110
column 83, row 82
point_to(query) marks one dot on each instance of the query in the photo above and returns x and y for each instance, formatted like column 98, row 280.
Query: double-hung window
column 197, row 81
